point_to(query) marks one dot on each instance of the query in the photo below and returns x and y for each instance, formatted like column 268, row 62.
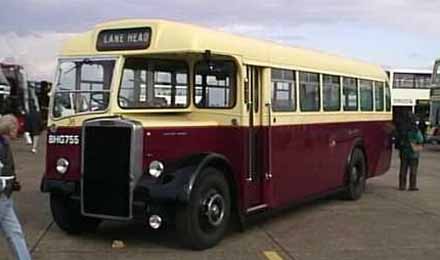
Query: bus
column 168, row 122
column 18, row 97
column 410, row 90
column 5, row 89
column 435, row 104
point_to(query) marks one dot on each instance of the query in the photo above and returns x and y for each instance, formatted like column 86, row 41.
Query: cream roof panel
column 168, row 36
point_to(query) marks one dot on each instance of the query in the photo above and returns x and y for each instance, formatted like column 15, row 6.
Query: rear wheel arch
column 357, row 144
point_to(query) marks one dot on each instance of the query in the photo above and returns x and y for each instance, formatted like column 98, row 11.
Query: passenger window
column 366, row 92
column 378, row 94
column 283, row 90
column 387, row 97
column 155, row 84
column 309, row 91
column 350, row 94
column 331, row 93
column 214, row 84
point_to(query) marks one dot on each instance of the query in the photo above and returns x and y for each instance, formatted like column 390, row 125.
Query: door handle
column 269, row 113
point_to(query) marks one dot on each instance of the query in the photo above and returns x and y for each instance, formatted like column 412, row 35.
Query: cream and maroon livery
column 261, row 158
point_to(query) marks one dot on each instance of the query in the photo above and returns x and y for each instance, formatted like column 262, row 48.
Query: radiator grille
column 106, row 171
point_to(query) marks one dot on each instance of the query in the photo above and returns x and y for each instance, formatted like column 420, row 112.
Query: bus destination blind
column 124, row 39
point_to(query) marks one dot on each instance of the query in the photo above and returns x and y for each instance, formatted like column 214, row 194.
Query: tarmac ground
column 384, row 224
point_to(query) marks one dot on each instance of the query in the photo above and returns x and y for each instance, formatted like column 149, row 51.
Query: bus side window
column 378, row 92
column 366, row 92
column 350, row 99
column 283, row 90
column 331, row 93
column 309, row 91
column 215, row 85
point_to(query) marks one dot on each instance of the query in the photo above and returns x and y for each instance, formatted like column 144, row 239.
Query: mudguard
column 57, row 186
column 178, row 179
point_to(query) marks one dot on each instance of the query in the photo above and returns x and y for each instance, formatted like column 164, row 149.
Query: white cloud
column 36, row 52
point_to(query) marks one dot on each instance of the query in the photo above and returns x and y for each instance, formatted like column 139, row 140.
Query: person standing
column 422, row 127
column 9, row 225
column 33, row 120
column 410, row 145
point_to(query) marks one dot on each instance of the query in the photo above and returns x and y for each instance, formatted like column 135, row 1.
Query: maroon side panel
column 310, row 159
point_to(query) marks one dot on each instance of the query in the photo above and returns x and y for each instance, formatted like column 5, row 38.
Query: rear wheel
column 202, row 223
column 356, row 175
column 67, row 215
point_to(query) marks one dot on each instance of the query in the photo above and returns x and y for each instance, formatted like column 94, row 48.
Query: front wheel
column 202, row 222
column 67, row 215
column 356, row 176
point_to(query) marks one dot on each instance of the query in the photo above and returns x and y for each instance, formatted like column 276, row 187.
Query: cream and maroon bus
column 170, row 122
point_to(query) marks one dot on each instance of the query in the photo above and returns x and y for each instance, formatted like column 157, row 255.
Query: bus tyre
column 356, row 175
column 203, row 221
column 67, row 215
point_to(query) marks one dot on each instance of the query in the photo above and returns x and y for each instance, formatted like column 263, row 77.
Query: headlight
column 155, row 169
column 62, row 165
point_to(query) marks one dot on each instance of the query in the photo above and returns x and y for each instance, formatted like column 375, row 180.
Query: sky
column 390, row 33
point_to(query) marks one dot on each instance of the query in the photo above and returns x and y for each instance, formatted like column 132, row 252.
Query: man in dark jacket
column 9, row 225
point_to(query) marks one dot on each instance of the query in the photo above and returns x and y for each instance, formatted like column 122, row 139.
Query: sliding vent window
column 309, row 91
column 157, row 84
column 214, row 84
column 331, row 93
column 350, row 93
column 366, row 91
column 283, row 90
column 379, row 95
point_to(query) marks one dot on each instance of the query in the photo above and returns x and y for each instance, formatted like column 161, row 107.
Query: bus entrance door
column 258, row 177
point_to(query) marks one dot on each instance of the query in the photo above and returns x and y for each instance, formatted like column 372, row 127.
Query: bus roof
column 168, row 36
column 410, row 71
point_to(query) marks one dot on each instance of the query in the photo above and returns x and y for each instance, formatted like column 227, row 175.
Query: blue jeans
column 11, row 229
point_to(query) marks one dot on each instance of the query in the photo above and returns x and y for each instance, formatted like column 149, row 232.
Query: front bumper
column 151, row 196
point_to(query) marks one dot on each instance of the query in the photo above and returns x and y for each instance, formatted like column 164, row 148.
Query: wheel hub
column 354, row 175
column 215, row 209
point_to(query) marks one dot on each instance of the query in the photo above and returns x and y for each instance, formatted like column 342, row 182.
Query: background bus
column 20, row 96
column 435, row 104
column 410, row 91
column 5, row 89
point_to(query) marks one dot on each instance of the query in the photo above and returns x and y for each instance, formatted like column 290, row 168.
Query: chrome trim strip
column 258, row 207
